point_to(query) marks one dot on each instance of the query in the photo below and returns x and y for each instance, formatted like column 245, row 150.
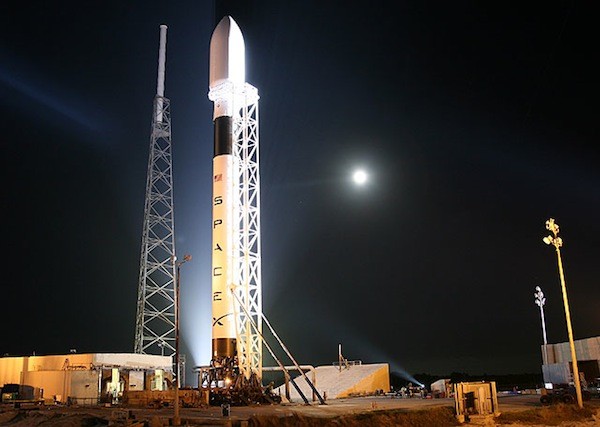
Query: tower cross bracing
column 156, row 304
column 248, row 285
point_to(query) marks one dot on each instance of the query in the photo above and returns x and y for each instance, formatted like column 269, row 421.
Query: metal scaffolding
column 156, row 304
column 155, row 323
column 247, row 283
column 248, row 288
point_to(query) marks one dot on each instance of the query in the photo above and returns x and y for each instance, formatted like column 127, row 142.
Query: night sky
column 476, row 122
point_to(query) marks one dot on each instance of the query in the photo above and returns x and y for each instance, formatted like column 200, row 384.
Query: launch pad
column 226, row 385
column 234, row 375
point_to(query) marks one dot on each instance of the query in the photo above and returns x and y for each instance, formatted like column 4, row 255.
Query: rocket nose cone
column 227, row 54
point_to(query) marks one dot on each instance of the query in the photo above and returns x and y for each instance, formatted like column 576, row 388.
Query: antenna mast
column 156, row 304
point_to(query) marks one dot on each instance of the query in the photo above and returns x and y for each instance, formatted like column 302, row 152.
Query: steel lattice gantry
column 248, row 285
column 156, row 304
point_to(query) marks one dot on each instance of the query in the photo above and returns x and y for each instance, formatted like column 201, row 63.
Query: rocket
column 226, row 73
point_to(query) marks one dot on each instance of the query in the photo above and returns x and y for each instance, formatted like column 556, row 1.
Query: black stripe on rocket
column 223, row 135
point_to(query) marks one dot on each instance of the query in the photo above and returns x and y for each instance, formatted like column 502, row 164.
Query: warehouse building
column 83, row 378
column 558, row 368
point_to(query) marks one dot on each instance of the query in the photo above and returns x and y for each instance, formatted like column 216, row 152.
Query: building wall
column 586, row 349
column 53, row 383
column 11, row 369
column 558, row 368
column 60, row 362
column 82, row 376
column 84, row 384
column 133, row 360
column 136, row 380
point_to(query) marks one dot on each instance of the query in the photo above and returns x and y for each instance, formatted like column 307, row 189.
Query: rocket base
column 226, row 385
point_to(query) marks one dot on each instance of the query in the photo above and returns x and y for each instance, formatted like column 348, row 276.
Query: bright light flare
column 360, row 177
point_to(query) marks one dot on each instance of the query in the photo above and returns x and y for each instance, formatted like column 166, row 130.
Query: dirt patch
column 344, row 414
column 49, row 419
column 9, row 417
column 437, row 417
column 551, row 416
column 559, row 415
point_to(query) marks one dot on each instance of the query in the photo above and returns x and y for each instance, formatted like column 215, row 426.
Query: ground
column 517, row 411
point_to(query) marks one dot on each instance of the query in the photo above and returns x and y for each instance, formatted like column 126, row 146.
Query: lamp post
column 554, row 240
column 178, row 264
column 540, row 300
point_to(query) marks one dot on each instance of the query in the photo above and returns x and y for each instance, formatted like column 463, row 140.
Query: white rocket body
column 225, row 214
column 227, row 71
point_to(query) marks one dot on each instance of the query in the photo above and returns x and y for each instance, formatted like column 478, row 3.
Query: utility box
column 475, row 398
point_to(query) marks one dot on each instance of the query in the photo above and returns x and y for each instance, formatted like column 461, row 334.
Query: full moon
column 359, row 177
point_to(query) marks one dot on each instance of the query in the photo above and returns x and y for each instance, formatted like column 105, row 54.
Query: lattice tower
column 248, row 289
column 156, row 304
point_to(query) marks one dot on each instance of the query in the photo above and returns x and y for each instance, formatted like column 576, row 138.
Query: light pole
column 178, row 264
column 554, row 240
column 540, row 300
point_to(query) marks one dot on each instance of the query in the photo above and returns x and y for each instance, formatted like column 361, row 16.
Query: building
column 558, row 369
column 86, row 378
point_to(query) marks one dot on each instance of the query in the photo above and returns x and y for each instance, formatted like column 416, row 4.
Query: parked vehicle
column 594, row 388
column 563, row 393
